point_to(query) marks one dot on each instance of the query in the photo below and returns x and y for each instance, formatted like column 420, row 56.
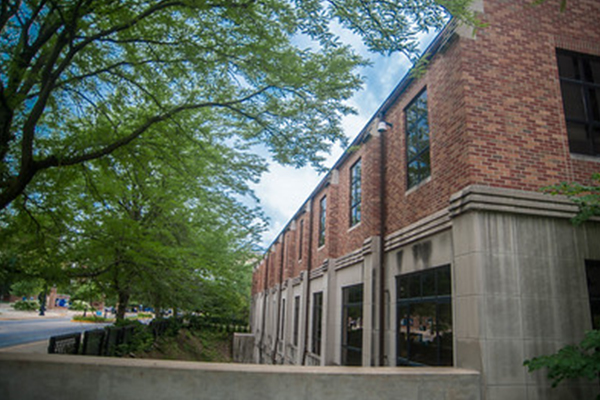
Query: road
column 17, row 332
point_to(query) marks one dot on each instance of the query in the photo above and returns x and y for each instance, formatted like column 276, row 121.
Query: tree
column 156, row 226
column 572, row 361
column 82, row 78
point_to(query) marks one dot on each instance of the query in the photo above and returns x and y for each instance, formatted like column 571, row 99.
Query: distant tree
column 82, row 78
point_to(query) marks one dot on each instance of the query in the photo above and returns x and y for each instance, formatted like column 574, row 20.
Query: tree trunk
column 122, row 304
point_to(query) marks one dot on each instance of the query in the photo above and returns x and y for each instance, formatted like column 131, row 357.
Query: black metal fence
column 64, row 344
column 113, row 340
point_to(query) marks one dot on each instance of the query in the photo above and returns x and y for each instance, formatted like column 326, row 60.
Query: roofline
column 434, row 47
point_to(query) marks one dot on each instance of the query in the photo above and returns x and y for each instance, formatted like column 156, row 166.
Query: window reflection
column 424, row 318
column 352, row 325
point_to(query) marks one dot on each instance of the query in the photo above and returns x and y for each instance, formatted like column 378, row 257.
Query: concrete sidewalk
column 31, row 348
column 7, row 313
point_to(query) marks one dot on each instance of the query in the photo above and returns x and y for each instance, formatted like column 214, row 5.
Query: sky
column 283, row 189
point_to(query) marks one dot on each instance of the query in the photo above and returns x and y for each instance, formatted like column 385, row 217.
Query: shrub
column 573, row 361
column 140, row 341
column 90, row 318
column 26, row 305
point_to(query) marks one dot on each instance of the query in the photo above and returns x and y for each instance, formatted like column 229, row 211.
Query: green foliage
column 129, row 131
column 141, row 340
column 26, row 305
column 586, row 197
column 573, row 361
column 80, row 305
column 91, row 318
column 27, row 287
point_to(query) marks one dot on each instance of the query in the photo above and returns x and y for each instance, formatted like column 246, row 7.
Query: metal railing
column 112, row 340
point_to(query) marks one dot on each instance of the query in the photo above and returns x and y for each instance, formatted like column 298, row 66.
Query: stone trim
column 321, row 270
column 349, row 259
column 486, row 198
column 428, row 226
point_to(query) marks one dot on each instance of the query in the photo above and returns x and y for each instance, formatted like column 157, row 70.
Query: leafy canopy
column 82, row 78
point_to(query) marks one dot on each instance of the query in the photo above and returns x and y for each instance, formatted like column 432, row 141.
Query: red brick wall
column 495, row 116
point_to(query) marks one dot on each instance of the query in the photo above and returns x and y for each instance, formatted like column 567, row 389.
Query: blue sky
column 282, row 190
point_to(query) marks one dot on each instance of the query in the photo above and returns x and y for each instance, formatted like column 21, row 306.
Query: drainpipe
column 308, row 269
column 382, row 128
column 277, row 325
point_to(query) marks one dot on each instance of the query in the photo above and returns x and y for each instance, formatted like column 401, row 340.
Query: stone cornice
column 425, row 227
column 485, row 198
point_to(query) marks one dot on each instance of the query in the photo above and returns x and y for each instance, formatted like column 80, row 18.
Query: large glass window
column 580, row 87
column 316, row 322
column 296, row 320
column 355, row 193
column 352, row 324
column 322, row 220
column 592, row 269
column 417, row 140
column 424, row 318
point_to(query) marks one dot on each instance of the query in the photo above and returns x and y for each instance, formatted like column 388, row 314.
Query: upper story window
column 300, row 238
column 355, row 193
column 580, row 87
column 322, row 220
column 418, row 162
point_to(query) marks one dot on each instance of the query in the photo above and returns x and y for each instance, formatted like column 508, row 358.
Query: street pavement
column 23, row 331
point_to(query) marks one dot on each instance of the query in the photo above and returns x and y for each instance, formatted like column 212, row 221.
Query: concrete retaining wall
column 33, row 376
column 243, row 348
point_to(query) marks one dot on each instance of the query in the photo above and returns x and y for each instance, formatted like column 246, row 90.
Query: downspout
column 277, row 325
column 382, row 128
column 264, row 309
column 308, row 270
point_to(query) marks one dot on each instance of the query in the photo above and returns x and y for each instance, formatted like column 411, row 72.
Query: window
column 282, row 325
column 296, row 319
column 424, row 318
column 322, row 220
column 580, row 87
column 317, row 315
column 352, row 328
column 418, row 161
column 355, row 193
column 300, row 240
column 592, row 269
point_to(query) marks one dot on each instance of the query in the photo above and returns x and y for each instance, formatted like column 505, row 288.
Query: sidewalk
column 31, row 348
column 7, row 313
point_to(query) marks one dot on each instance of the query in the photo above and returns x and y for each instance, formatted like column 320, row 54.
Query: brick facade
column 497, row 131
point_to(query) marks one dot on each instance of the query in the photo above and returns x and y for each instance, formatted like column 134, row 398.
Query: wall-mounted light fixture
column 383, row 126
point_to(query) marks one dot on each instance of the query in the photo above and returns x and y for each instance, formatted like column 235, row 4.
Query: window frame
column 356, row 193
column 586, row 88
column 422, row 153
column 296, row 321
column 347, row 307
column 404, row 353
column 322, row 220
column 593, row 287
column 317, row 323
column 282, row 322
column 300, row 239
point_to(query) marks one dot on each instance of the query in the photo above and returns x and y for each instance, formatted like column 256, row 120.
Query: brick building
column 430, row 243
